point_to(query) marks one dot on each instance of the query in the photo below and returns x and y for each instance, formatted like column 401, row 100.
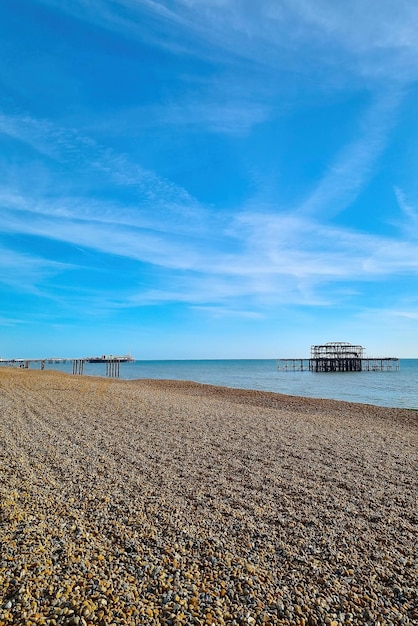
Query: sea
column 395, row 388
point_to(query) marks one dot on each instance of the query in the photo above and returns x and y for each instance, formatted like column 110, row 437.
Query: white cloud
column 222, row 312
column 380, row 34
column 159, row 204
column 410, row 315
column 376, row 39
column 276, row 258
column 356, row 163
column 231, row 117
column 27, row 271
column 258, row 254
column 409, row 212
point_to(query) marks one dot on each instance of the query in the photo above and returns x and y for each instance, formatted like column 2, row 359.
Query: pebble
column 158, row 502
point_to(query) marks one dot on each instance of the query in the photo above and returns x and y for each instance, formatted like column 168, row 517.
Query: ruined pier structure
column 338, row 357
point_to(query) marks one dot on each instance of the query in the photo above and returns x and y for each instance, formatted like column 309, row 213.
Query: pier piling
column 113, row 368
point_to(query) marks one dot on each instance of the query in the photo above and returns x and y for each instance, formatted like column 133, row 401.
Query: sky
column 202, row 179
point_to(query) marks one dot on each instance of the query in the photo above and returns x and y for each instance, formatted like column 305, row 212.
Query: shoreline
column 393, row 390
column 259, row 397
column 173, row 502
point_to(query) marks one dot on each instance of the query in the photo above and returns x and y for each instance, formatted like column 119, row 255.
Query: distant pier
column 112, row 363
column 338, row 357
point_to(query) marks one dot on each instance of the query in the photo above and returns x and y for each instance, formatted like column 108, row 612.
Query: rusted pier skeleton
column 339, row 357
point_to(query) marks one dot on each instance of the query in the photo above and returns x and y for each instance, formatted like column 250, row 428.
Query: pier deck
column 112, row 363
column 339, row 365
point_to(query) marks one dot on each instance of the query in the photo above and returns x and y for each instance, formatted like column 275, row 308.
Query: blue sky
column 208, row 178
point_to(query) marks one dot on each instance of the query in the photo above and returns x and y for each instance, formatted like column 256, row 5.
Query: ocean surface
column 392, row 388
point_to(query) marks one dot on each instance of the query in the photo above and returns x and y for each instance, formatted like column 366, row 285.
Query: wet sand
column 167, row 502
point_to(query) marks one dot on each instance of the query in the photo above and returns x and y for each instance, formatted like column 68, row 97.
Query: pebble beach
column 168, row 502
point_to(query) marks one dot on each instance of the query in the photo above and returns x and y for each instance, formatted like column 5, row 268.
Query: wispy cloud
column 264, row 256
column 377, row 39
column 236, row 115
column 410, row 214
column 410, row 315
column 277, row 259
column 354, row 166
column 10, row 321
column 301, row 247
column 222, row 312
column 27, row 271
column 156, row 203
column 101, row 199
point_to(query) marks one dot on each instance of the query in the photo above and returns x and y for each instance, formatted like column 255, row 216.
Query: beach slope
column 167, row 502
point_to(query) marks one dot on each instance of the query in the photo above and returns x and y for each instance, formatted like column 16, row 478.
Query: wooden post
column 78, row 366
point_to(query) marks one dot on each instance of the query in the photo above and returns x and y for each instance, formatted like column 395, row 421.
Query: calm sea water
column 394, row 388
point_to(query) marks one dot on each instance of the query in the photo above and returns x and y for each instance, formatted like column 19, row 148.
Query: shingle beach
column 166, row 502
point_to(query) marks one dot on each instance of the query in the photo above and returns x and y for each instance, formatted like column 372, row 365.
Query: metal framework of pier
column 338, row 357
column 112, row 363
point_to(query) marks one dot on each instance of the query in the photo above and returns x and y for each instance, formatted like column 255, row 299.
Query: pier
column 338, row 357
column 112, row 363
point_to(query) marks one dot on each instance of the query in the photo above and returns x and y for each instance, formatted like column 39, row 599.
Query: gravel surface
column 167, row 502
